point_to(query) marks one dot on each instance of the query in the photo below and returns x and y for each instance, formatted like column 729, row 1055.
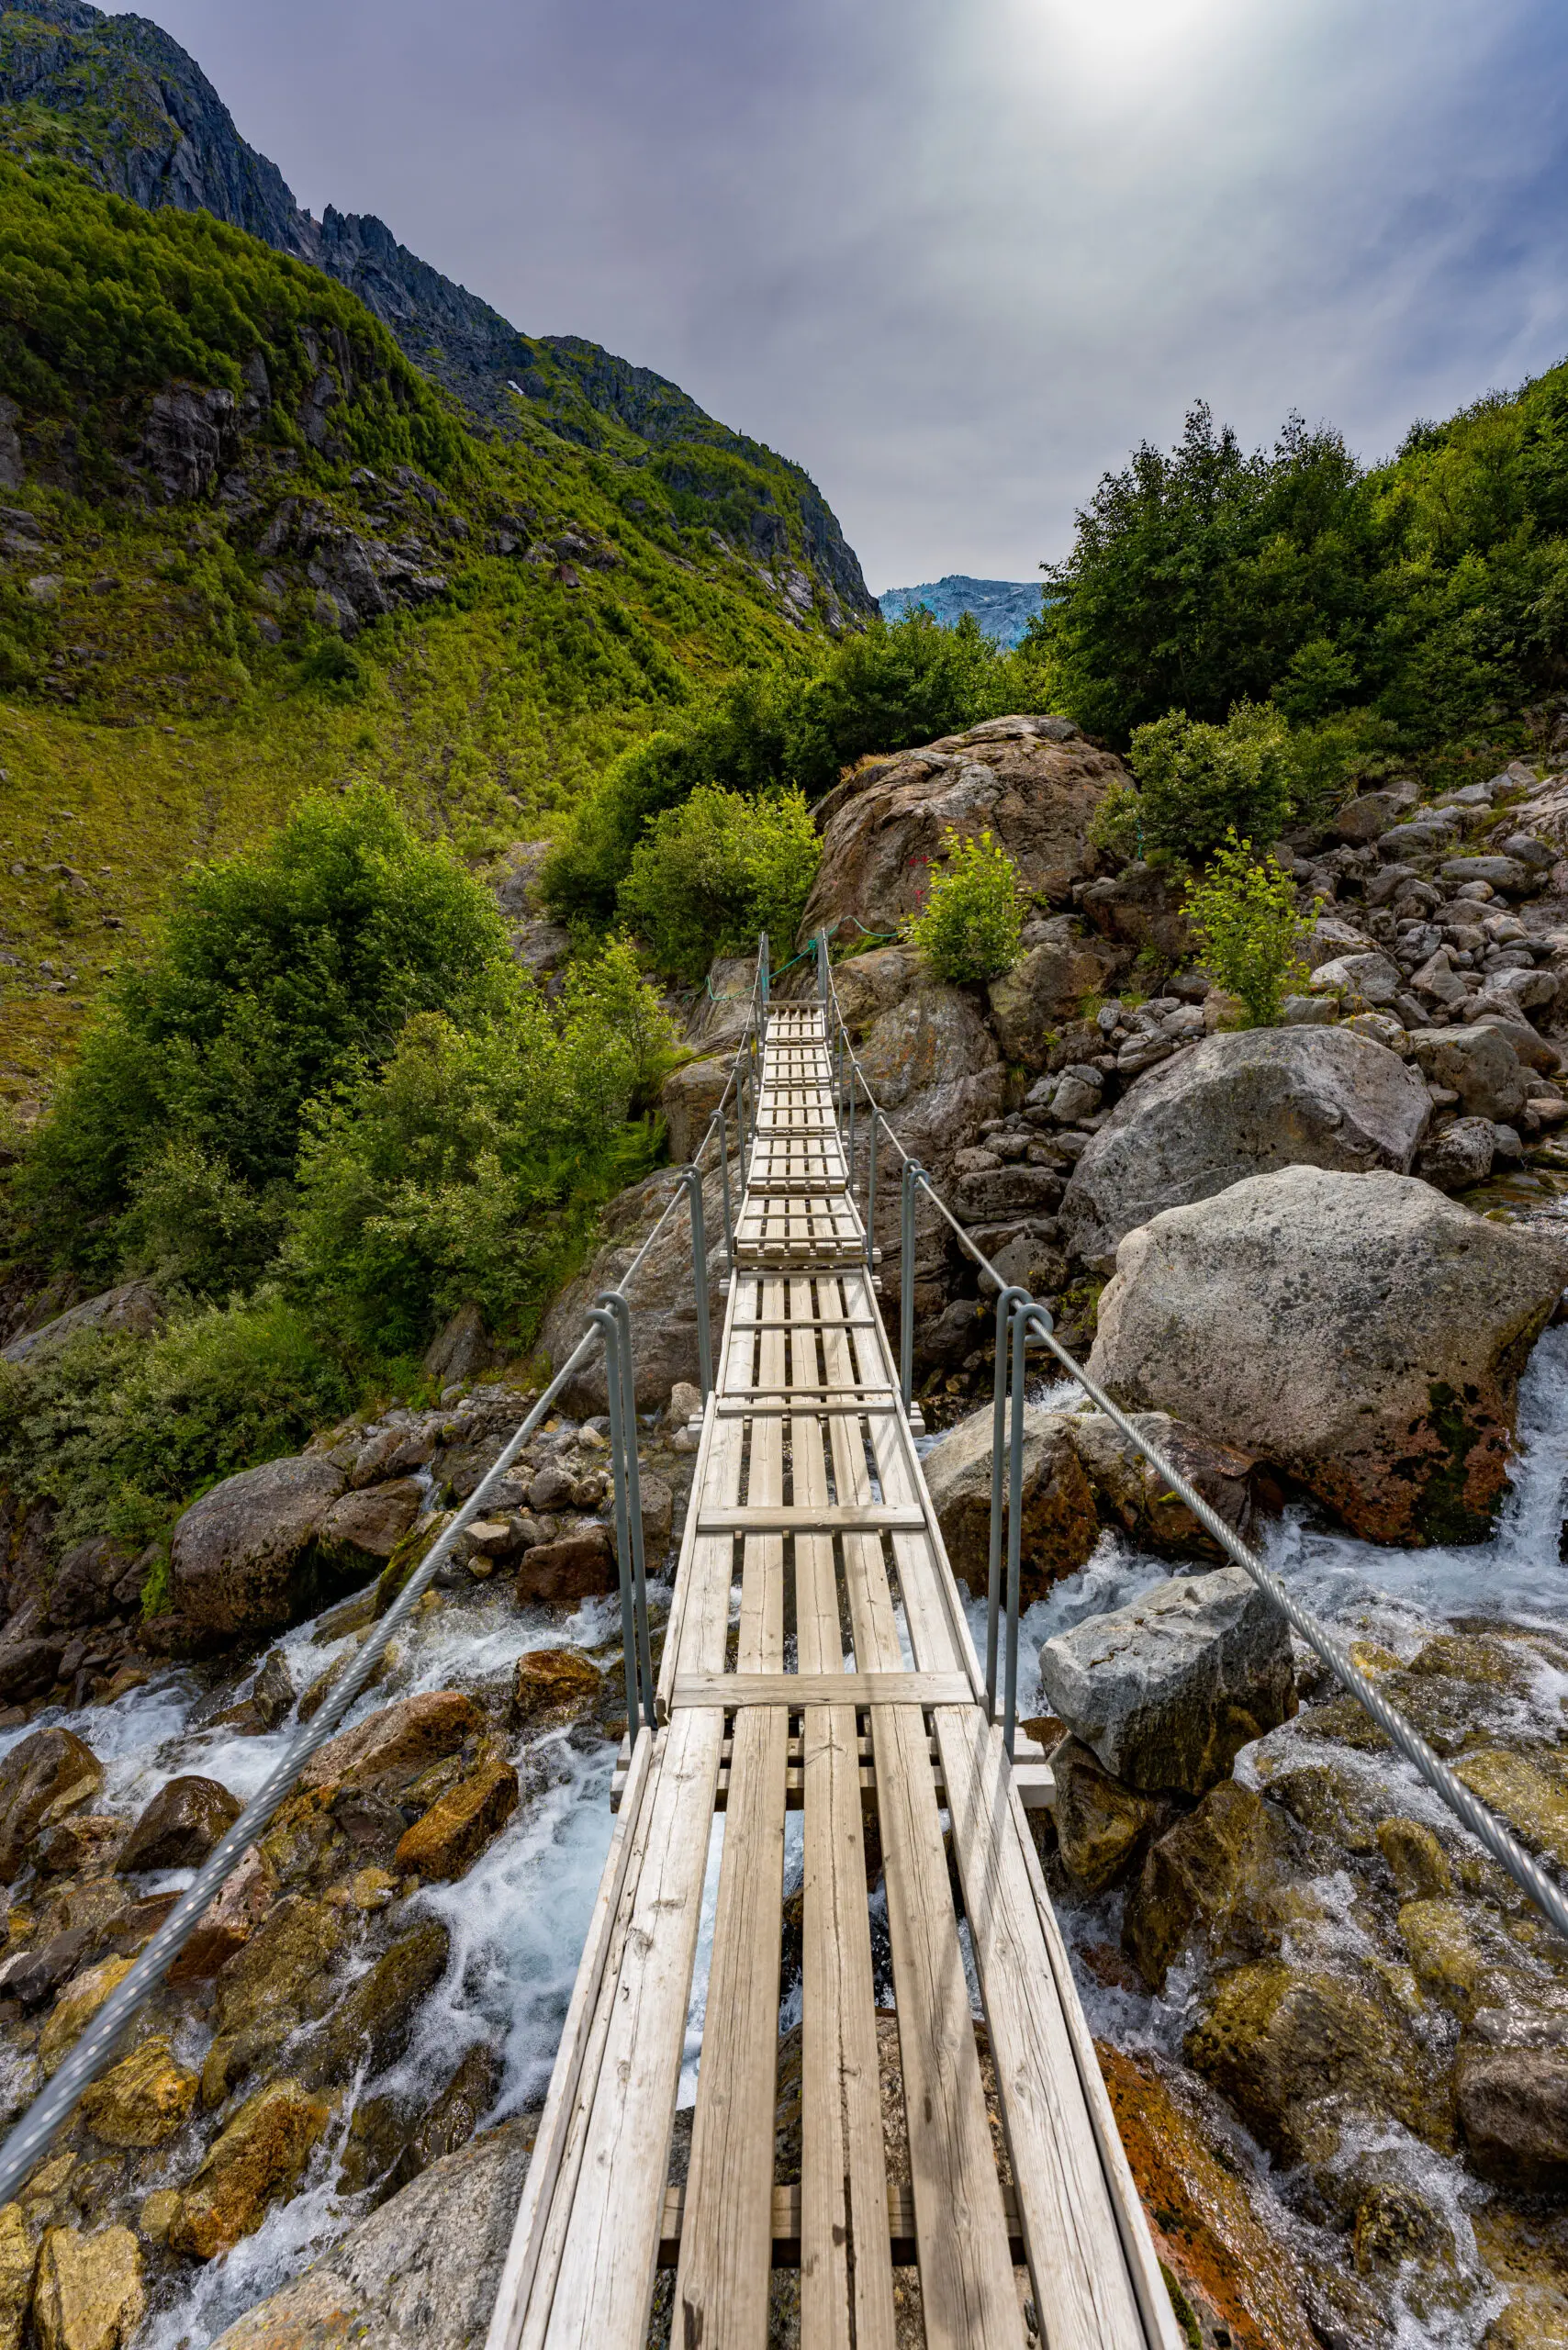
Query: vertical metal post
column 1014, row 1532
column 762, row 971
column 851, row 1124
column 913, row 1169
column 605, row 1323
column 871, row 1194
column 1009, row 1299
column 612, row 1301
column 822, row 966
column 719, row 1121
column 693, row 1182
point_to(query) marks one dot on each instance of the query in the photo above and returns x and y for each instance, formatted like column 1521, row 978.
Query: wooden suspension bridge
column 846, row 1687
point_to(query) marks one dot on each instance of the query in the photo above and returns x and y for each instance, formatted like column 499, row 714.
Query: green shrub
column 1197, row 782
column 715, row 872
column 1244, row 914
column 972, row 923
column 119, row 1432
column 277, row 973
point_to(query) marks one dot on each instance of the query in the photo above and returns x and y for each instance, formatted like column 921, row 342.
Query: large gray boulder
column 664, row 1298
column 1058, row 1526
column 420, row 2274
column 1360, row 1332
column 934, row 1037
column 1479, row 1064
column 132, row 1310
column 245, row 1557
column 1235, row 1106
column 1168, row 1690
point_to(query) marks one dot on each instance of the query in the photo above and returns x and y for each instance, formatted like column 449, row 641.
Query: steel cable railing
column 610, row 1324
column 1017, row 1312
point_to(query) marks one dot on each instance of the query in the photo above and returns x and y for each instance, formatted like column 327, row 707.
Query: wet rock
column 1029, row 1002
column 394, row 1453
column 1416, row 1860
column 420, row 2274
column 1059, row 1528
column 552, row 1685
column 42, row 1778
column 315, row 1695
column 1233, row 1850
column 574, row 1566
column 1139, row 1497
column 36, row 1972
column 1232, row 2264
column 454, row 1831
column 28, row 1667
column 142, row 2099
column 18, row 2260
column 1477, row 1063
column 1530, row 1791
column 89, row 2294
column 688, row 1098
column 1513, row 2111
column 272, row 1694
column 371, row 2025
column 259, row 2155
column 89, row 1841
column 228, row 1922
column 132, row 1310
column 180, row 1826
column 75, row 2008
column 368, row 1525
column 1034, row 783
column 244, row 1558
column 1398, row 1324
column 1239, row 1105
column 283, row 1975
column 397, row 1742
column 1101, row 1825
column 1276, row 2040
column 1167, row 1690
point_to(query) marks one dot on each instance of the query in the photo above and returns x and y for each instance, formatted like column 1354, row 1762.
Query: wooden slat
column 826, row 1517
column 743, row 1690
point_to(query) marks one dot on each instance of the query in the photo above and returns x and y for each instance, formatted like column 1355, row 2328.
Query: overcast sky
column 956, row 256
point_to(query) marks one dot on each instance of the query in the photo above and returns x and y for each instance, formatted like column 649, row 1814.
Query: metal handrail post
column 1013, row 1295
column 871, row 1194
column 912, row 1170
column 719, row 1120
column 762, row 971
column 1014, row 1532
column 612, row 1301
column 693, row 1182
column 821, row 965
column 851, row 1161
column 607, row 1322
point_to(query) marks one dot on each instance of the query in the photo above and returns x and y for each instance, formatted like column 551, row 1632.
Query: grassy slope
column 157, row 722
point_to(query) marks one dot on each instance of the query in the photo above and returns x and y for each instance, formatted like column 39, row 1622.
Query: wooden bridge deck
column 817, row 1659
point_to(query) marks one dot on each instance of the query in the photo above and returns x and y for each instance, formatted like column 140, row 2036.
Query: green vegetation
column 709, row 876
column 1244, row 912
column 972, row 922
column 1198, row 782
column 1416, row 605
column 791, row 726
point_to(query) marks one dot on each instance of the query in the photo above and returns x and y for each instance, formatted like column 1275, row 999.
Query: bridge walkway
column 818, row 1659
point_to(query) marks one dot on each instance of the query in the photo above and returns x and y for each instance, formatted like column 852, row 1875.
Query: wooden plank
column 722, row 2288
column 734, row 1690
column 825, row 1517
column 787, row 2230
column 1070, row 2224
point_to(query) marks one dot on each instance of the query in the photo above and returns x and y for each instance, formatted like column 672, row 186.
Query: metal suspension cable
column 32, row 2137
column 1481, row 1822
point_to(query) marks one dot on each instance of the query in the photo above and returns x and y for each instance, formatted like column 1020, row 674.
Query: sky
column 958, row 257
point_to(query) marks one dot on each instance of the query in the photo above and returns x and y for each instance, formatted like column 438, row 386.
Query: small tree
column 1244, row 911
column 972, row 924
column 1198, row 782
column 707, row 875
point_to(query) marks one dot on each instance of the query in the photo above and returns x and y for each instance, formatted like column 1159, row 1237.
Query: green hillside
column 247, row 548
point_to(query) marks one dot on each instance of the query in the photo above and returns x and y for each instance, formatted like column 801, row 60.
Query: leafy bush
column 1197, row 782
column 1244, row 914
column 463, row 1170
column 276, row 974
column 973, row 920
column 119, row 1432
column 715, row 872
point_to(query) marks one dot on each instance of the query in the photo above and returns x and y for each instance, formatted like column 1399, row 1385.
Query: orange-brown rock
column 397, row 1742
column 259, row 2156
column 456, row 1828
column 576, row 1566
column 42, row 1779
column 368, row 1525
column 555, row 1684
column 1208, row 2231
column 228, row 1922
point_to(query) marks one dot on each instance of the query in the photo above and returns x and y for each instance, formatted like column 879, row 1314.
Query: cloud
column 958, row 256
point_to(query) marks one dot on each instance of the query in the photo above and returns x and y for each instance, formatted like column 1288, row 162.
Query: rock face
column 456, row 1828
column 244, row 1557
column 259, row 2156
column 665, row 1334
column 1045, row 988
column 421, row 2273
column 361, row 1530
column 1141, row 1500
column 1359, row 1331
column 180, row 1826
column 1166, row 1691
column 396, row 1742
column 88, row 2295
column 934, row 1037
column 142, row 2099
column 1034, row 783
column 688, row 1098
column 42, row 1778
column 134, row 1308
column 1059, row 1528
column 1239, row 1105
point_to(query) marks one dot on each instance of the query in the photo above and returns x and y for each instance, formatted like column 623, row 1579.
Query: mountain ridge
column 1002, row 607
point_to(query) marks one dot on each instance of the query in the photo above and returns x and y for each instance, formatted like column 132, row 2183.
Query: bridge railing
column 609, row 1325
column 1020, row 1317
